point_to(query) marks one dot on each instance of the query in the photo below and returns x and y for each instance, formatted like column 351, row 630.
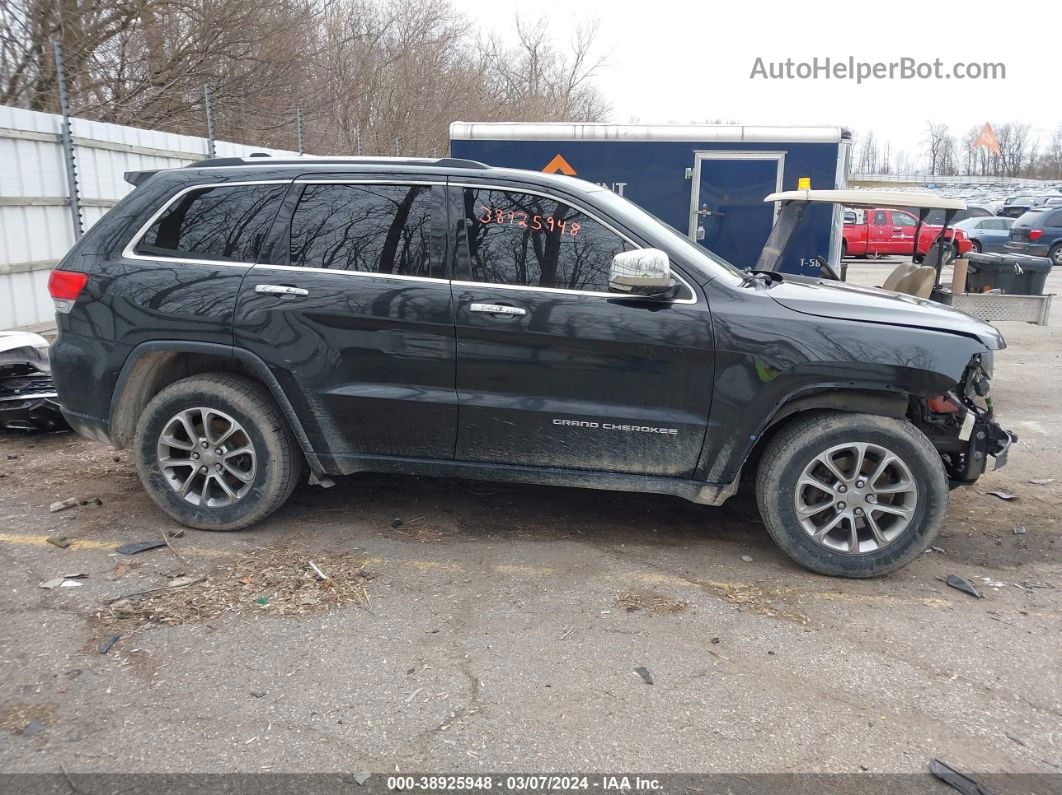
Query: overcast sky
column 687, row 61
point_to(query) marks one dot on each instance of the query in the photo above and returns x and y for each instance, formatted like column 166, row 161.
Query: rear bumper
column 88, row 426
column 1033, row 249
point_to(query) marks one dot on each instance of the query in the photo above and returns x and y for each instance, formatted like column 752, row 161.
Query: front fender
column 768, row 356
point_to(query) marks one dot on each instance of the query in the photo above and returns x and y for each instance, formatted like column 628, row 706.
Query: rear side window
column 1028, row 219
column 521, row 239
column 365, row 228
column 226, row 223
column 1053, row 219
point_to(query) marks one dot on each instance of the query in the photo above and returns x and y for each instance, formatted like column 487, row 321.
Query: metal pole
column 209, row 120
column 68, row 142
column 298, row 128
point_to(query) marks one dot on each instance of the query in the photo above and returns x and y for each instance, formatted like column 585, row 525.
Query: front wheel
column 214, row 452
column 1055, row 254
column 852, row 495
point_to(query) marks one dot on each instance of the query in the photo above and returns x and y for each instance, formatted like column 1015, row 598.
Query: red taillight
column 65, row 287
column 941, row 405
column 1035, row 233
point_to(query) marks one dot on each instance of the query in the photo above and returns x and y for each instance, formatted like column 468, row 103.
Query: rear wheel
column 976, row 246
column 852, row 495
column 214, row 453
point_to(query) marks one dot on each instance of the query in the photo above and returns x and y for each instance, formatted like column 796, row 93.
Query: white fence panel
column 36, row 229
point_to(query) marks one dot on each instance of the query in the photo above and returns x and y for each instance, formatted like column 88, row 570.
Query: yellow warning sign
column 559, row 165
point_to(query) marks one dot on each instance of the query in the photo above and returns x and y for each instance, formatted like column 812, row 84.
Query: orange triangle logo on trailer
column 559, row 165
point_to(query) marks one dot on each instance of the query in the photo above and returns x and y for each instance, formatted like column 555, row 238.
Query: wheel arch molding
column 153, row 365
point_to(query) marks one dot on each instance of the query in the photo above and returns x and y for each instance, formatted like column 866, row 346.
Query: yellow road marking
column 33, row 540
column 28, row 539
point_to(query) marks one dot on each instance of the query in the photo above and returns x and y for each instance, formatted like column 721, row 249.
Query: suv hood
column 872, row 305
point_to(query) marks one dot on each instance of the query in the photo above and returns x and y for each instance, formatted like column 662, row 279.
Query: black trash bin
column 1012, row 274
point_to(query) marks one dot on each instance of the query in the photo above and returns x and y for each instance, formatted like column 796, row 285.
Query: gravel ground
column 498, row 628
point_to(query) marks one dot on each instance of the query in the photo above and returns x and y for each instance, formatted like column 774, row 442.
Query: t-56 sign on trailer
column 708, row 181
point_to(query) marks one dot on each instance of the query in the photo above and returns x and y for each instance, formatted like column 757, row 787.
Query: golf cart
column 922, row 280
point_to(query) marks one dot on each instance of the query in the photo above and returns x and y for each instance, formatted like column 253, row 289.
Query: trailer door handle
column 498, row 309
column 280, row 289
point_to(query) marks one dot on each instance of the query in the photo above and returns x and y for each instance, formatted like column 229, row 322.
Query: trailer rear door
column 727, row 212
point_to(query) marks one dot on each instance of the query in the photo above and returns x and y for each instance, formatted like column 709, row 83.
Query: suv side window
column 364, row 228
column 879, row 218
column 521, row 239
column 225, row 223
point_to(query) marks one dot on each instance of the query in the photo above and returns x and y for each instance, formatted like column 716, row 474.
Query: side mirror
column 645, row 271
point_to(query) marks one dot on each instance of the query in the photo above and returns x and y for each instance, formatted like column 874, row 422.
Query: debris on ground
column 644, row 674
column 108, row 643
column 651, row 602
column 1003, row 495
column 59, row 541
column 258, row 693
column 747, row 558
column 413, row 695
column 62, row 505
column 318, row 571
column 361, row 777
column 276, row 581
column 64, row 581
column 176, row 534
column 955, row 779
column 957, row 582
column 1042, row 481
column 139, row 546
column 1019, row 530
column 32, row 728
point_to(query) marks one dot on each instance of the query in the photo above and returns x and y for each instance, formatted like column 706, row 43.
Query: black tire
column 1055, row 254
column 976, row 246
column 844, row 249
column 797, row 445
column 276, row 457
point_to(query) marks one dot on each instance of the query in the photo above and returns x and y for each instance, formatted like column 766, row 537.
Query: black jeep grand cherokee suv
column 241, row 321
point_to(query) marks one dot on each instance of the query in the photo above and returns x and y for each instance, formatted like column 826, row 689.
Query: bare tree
column 379, row 76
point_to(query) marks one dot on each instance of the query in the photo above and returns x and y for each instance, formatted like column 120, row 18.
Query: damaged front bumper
column 981, row 436
column 28, row 400
column 987, row 439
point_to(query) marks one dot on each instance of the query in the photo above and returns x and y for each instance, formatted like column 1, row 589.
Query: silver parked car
column 988, row 234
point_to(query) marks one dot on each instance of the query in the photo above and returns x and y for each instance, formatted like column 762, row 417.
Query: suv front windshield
column 625, row 208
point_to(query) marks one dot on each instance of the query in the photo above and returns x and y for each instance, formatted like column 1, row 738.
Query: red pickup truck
column 881, row 231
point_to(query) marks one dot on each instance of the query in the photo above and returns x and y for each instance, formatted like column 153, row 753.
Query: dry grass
column 272, row 581
column 651, row 602
column 14, row 717
column 413, row 532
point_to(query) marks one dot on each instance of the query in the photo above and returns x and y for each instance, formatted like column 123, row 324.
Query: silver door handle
column 498, row 309
column 280, row 289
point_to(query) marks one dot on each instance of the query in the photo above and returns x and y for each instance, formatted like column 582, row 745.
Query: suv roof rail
column 261, row 157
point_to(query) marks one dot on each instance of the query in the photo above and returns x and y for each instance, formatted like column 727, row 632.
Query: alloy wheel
column 856, row 498
column 207, row 457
